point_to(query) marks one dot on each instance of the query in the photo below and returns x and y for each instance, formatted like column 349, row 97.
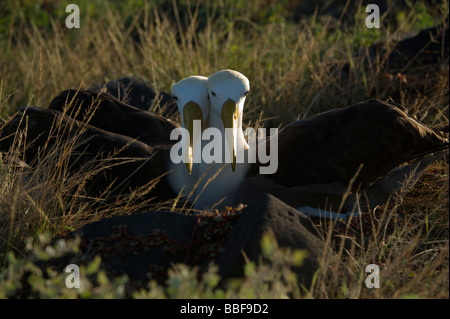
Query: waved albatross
column 324, row 161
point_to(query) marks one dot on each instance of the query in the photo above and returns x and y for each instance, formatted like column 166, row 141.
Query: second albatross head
column 227, row 90
column 191, row 96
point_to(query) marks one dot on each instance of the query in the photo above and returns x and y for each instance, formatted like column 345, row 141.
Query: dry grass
column 407, row 240
column 294, row 70
column 50, row 196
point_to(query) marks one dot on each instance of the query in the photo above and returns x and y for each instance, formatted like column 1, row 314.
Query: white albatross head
column 191, row 96
column 227, row 90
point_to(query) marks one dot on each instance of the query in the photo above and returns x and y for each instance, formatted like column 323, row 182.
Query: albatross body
column 106, row 112
column 112, row 164
column 358, row 148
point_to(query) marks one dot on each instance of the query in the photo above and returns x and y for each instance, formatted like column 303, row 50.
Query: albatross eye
column 213, row 94
column 245, row 93
column 175, row 98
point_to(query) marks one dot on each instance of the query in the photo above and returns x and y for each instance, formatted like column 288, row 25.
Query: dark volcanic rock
column 141, row 244
column 413, row 63
column 145, row 245
column 290, row 227
column 428, row 47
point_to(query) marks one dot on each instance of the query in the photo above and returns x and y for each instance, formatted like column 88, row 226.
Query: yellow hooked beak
column 191, row 112
column 230, row 116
